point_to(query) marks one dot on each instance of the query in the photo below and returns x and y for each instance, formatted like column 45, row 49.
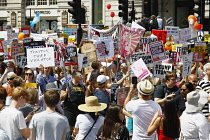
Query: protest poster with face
column 157, row 51
column 105, row 49
column 71, row 55
column 160, row 69
column 129, row 39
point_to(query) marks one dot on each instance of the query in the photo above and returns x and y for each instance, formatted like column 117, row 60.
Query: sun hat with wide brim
column 145, row 87
column 92, row 105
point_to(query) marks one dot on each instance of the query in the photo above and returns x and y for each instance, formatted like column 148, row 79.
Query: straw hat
column 92, row 105
column 145, row 87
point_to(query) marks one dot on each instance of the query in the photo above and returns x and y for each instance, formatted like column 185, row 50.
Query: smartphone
column 37, row 108
column 134, row 81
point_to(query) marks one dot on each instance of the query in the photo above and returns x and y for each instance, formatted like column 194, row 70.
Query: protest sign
column 144, row 43
column 147, row 58
column 161, row 35
column 207, row 38
column 65, row 36
column 23, row 62
column 200, row 47
column 3, row 34
column 160, row 69
column 1, row 45
column 27, row 85
column 140, row 69
column 37, row 56
column 53, row 39
column 26, row 31
column 104, row 49
column 34, row 44
column 121, row 95
column 12, row 35
column 198, row 56
column 157, row 51
column 71, row 55
column 85, row 62
column 16, row 48
column 18, row 58
column 184, row 34
column 129, row 39
column 27, row 40
column 172, row 30
column 187, row 64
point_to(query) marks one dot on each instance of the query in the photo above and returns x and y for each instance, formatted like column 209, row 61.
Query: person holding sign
column 168, row 89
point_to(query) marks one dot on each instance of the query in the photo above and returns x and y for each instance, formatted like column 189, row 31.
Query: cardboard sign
column 160, row 69
column 37, row 56
column 185, row 34
column 140, row 69
column 157, row 51
column 145, row 57
column 187, row 64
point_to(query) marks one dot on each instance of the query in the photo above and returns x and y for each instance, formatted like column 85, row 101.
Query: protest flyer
column 157, row 51
column 140, row 69
column 104, row 49
column 147, row 58
column 160, row 69
column 144, row 43
column 129, row 39
column 37, row 56
column 71, row 55
column 187, row 64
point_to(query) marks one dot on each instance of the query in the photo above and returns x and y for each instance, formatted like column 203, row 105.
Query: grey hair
column 206, row 66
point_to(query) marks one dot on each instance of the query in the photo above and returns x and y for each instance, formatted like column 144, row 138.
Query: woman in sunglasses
column 182, row 98
column 29, row 76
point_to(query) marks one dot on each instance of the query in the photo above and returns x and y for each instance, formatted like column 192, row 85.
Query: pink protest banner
column 129, row 39
column 157, row 51
column 140, row 69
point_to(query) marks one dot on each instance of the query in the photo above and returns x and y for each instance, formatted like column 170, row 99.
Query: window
column 53, row 2
column 42, row 2
column 3, row 2
column 30, row 2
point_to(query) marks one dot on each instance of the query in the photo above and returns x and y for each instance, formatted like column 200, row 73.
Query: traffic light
column 123, row 5
column 83, row 17
column 200, row 10
column 132, row 13
column 147, row 8
column 75, row 10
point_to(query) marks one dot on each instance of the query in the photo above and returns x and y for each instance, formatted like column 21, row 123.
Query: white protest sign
column 184, row 34
column 187, row 63
column 23, row 61
column 80, row 60
column 172, row 30
column 52, row 38
column 147, row 58
column 160, row 69
column 104, row 49
column 3, row 34
column 37, row 56
column 144, row 43
column 18, row 58
column 140, row 69
column 157, row 51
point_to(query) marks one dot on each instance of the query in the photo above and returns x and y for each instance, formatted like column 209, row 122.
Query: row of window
column 41, row 2
column 32, row 2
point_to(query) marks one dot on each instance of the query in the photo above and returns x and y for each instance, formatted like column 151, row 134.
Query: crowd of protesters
column 37, row 104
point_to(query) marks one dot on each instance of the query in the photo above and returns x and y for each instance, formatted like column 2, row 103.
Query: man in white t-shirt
column 12, row 120
column 142, row 110
column 49, row 125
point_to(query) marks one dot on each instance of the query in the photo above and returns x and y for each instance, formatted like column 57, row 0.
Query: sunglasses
column 183, row 89
column 101, row 72
column 79, row 75
column 28, row 74
column 10, row 79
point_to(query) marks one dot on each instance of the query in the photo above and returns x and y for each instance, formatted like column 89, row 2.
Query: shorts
column 71, row 117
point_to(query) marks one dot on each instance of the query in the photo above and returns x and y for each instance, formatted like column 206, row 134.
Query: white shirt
column 12, row 120
column 84, row 123
column 194, row 126
column 142, row 111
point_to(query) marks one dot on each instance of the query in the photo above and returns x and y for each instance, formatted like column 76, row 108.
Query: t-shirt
column 142, row 111
column 49, row 125
column 3, row 135
column 77, row 97
column 12, row 120
column 84, row 123
column 162, row 91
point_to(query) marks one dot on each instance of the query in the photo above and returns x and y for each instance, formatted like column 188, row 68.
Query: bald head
column 192, row 78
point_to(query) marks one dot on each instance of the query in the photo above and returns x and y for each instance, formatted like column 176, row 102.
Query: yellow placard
column 30, row 85
column 71, row 40
column 207, row 38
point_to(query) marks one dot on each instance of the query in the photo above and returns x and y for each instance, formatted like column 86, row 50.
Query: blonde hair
column 18, row 92
column 34, row 99
column 11, row 74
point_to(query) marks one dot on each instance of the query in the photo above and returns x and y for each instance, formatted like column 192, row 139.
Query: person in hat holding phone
column 87, row 125
column 142, row 109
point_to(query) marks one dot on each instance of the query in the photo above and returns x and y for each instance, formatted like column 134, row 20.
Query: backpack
column 154, row 24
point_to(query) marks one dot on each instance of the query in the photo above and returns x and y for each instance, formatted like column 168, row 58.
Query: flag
column 169, row 21
column 35, row 20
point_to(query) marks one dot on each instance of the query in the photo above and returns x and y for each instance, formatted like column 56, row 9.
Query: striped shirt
column 204, row 84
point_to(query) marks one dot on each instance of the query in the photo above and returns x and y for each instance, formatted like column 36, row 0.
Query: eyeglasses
column 79, row 75
column 183, row 89
column 10, row 79
column 28, row 74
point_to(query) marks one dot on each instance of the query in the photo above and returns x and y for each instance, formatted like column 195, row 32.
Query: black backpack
column 154, row 24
